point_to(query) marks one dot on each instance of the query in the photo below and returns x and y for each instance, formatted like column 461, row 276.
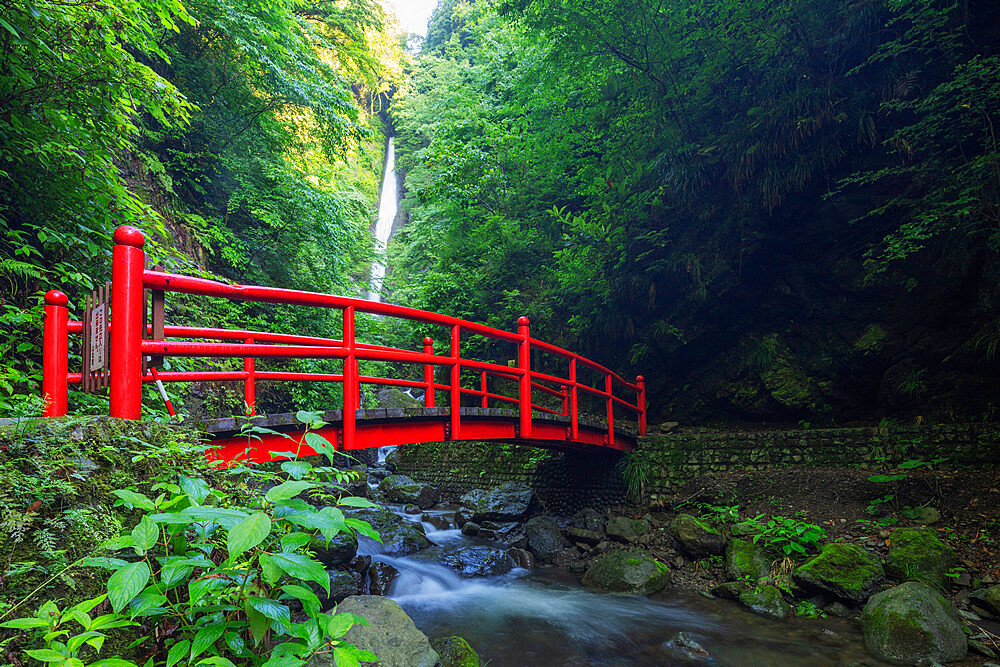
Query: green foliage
column 224, row 575
column 783, row 535
column 635, row 468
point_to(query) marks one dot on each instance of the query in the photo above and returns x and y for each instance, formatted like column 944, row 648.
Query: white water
column 387, row 207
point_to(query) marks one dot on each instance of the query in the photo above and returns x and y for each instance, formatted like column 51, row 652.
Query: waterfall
column 383, row 229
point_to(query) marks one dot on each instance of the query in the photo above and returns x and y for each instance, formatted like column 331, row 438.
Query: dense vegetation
column 785, row 211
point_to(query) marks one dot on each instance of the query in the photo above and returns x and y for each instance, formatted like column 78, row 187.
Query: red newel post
column 127, row 264
column 352, row 399
column 640, row 400
column 610, row 408
column 249, row 386
column 574, row 424
column 456, row 381
column 484, row 387
column 524, row 382
column 429, row 375
column 55, row 354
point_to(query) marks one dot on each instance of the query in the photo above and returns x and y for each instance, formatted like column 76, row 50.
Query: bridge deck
column 400, row 426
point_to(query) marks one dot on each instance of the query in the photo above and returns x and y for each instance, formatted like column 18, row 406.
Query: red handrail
column 129, row 278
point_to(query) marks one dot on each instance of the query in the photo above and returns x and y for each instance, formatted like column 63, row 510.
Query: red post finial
column 639, row 378
column 130, row 236
column 523, row 321
column 56, row 298
column 428, row 341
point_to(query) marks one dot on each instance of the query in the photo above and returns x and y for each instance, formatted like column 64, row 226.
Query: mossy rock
column 843, row 570
column 697, row 537
column 766, row 601
column 626, row 529
column 913, row 624
column 626, row 572
column 917, row 554
column 403, row 489
column 991, row 596
column 455, row 652
column 746, row 560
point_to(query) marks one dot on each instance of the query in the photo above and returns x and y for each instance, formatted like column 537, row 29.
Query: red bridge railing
column 129, row 346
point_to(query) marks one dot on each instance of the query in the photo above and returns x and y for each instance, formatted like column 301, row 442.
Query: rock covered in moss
column 626, row 572
column 991, row 596
column 337, row 552
column 913, row 624
column 455, row 652
column 626, row 529
column 508, row 502
column 765, row 600
column 729, row 590
column 478, row 561
column 545, row 539
column 843, row 570
column 403, row 489
column 697, row 537
column 746, row 560
column 916, row 554
column 390, row 634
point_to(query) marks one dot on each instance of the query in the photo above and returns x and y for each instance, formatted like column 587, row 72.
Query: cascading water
column 387, row 207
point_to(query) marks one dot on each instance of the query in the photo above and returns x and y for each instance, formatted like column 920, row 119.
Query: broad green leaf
column 113, row 662
column 175, row 570
column 273, row 609
column 305, row 595
column 354, row 501
column 259, row 623
column 205, row 637
column 364, row 528
column 270, row 572
column 25, row 623
column 217, row 660
column 126, row 583
column 297, row 468
column 302, row 567
column 145, row 534
column 248, row 533
column 195, row 487
column 178, row 652
column 46, row 655
column 287, row 490
column 134, row 500
column 93, row 638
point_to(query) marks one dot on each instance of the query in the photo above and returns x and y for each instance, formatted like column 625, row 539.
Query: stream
column 544, row 617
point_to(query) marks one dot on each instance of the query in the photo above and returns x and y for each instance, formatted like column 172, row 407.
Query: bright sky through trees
column 413, row 14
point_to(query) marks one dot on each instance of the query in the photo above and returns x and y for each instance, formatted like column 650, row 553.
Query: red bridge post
column 456, row 381
column 429, row 374
column 574, row 424
column 524, row 382
column 352, row 398
column 610, row 408
column 127, row 264
column 640, row 400
column 55, row 354
column 249, row 384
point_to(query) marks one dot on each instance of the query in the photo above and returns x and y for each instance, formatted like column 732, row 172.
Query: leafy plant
column 783, row 535
column 635, row 468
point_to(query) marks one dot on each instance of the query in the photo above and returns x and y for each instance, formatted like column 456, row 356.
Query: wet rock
column 626, row 529
column 696, row 537
column 684, row 645
column 438, row 521
column 746, row 560
column 991, row 596
column 359, row 485
column 984, row 649
column 361, row 563
column 765, row 600
column 916, row 554
column 843, row 570
column 390, row 634
column 342, row 585
column 455, row 652
column 410, row 508
column 391, row 459
column 838, row 609
column 912, row 623
column 545, row 539
column 478, row 561
column 830, row 638
column 338, row 552
column 521, row 558
column 403, row 539
column 501, row 532
column 381, row 577
column 378, row 518
column 588, row 519
column 583, row 535
column 600, row 548
column 509, row 502
column 402, row 489
column 470, row 528
column 929, row 516
column 626, row 572
column 462, row 516
column 378, row 474
column 729, row 590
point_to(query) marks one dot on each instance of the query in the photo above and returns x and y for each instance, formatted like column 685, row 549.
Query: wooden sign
column 96, row 355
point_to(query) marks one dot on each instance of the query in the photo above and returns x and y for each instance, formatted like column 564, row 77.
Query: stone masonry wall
column 677, row 457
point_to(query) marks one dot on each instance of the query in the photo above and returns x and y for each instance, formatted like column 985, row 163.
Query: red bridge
column 121, row 351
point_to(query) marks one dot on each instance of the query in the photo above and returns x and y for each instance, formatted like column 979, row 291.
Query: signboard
column 98, row 335
column 96, row 359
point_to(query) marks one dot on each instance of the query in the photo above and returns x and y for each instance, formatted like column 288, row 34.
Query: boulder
column 403, row 489
column 683, row 646
column 381, row 577
column 991, row 596
column 843, row 570
column 403, row 539
column 509, row 502
column 913, row 624
column 545, row 538
column 583, row 535
column 439, row 522
column 765, row 600
column 626, row 529
column 588, row 519
column 916, row 554
column 338, row 552
column 696, row 537
column 478, row 561
column 729, row 590
column 455, row 652
column 342, row 585
column 470, row 528
column 746, row 560
column 521, row 558
column 410, row 508
column 392, row 459
column 626, row 572
column 462, row 516
column 390, row 634
column 929, row 516
column 501, row 532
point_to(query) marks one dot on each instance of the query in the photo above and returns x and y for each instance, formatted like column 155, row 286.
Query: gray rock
column 765, row 600
column 626, row 529
column 390, row 634
column 336, row 554
column 438, row 521
column 626, row 572
column 929, row 516
column 746, row 560
column 470, row 528
column 991, row 596
column 838, row 609
column 545, row 539
column 342, row 585
column 509, row 502
column 403, row 489
column 917, row 554
column 696, row 537
column 583, row 535
column 381, row 577
column 410, row 508
column 521, row 558
column 501, row 532
column 455, row 652
column 392, row 459
column 463, row 516
column 478, row 561
column 684, row 646
column 912, row 623
column 729, row 590
column 588, row 519
column 843, row 570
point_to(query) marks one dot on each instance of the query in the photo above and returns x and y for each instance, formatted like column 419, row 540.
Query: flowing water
column 387, row 206
column 544, row 617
